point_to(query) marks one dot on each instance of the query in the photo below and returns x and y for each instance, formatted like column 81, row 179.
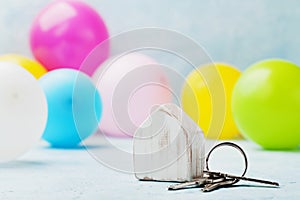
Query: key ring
column 231, row 145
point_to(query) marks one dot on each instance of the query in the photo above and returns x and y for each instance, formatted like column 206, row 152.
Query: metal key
column 237, row 178
column 220, row 174
column 214, row 180
column 226, row 182
column 186, row 185
column 232, row 179
column 201, row 182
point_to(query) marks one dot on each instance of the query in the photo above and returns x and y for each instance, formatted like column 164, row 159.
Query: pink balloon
column 65, row 32
column 130, row 86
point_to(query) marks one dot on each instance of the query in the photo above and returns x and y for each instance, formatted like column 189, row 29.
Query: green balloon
column 266, row 104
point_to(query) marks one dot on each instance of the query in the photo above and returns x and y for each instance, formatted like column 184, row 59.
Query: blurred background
column 232, row 31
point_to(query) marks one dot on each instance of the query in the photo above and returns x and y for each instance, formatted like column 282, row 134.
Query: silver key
column 186, row 185
column 196, row 183
column 213, row 186
column 229, row 176
column 214, row 180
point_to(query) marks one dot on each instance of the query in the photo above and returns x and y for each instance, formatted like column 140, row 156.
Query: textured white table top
column 45, row 173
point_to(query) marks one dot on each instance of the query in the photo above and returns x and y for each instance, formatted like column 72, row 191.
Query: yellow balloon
column 35, row 68
column 200, row 102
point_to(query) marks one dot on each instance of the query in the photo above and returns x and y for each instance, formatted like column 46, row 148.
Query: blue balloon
column 74, row 106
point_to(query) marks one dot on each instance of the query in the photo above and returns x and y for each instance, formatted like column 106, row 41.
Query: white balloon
column 23, row 111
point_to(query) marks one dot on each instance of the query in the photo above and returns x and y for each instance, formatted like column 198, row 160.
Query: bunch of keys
column 213, row 180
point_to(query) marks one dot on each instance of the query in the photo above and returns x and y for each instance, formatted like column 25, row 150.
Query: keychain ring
column 231, row 145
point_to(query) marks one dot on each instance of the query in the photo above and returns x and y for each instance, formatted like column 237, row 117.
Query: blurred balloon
column 74, row 107
column 23, row 113
column 266, row 104
column 197, row 96
column 65, row 32
column 35, row 68
column 130, row 86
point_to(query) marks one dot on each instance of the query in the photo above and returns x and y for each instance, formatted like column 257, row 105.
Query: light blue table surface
column 45, row 173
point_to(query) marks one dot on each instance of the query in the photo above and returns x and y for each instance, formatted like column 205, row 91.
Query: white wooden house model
column 169, row 146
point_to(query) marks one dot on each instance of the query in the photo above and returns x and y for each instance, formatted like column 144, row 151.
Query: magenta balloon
column 65, row 32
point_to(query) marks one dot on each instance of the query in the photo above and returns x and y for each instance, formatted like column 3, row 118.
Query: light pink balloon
column 65, row 32
column 130, row 86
